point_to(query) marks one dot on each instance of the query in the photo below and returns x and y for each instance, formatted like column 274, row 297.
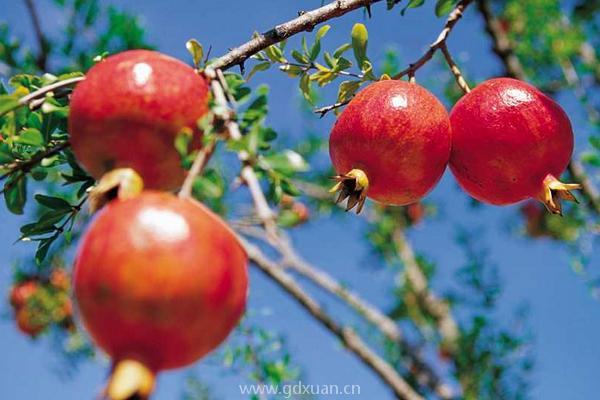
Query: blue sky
column 564, row 316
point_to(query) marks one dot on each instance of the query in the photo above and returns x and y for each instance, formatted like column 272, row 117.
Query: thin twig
column 43, row 43
column 42, row 92
column 425, row 375
column 303, row 23
column 347, row 336
column 453, row 18
column 460, row 80
column 202, row 158
column 247, row 173
column 307, row 67
column 26, row 165
column 324, row 110
column 437, row 308
column 438, row 44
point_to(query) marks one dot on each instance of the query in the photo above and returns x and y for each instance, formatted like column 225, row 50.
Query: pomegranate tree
column 391, row 143
column 128, row 111
column 159, row 282
column 511, row 142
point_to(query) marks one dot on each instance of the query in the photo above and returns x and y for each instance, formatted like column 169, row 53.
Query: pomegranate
column 59, row 279
column 511, row 142
column 22, row 292
column 159, row 281
column 391, row 143
column 128, row 111
column 29, row 322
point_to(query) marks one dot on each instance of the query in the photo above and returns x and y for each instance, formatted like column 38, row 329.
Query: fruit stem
column 553, row 191
column 121, row 183
column 130, row 379
column 353, row 186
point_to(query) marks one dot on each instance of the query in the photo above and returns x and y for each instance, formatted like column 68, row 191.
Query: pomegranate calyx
column 352, row 186
column 553, row 191
column 121, row 183
column 130, row 379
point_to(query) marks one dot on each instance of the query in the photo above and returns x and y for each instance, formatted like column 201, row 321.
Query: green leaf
column 286, row 162
column 443, row 7
column 299, row 57
column 263, row 66
column 316, row 47
column 329, row 60
column 6, row 155
column 196, row 50
column 592, row 159
column 595, row 141
column 341, row 50
column 8, row 103
column 31, row 137
column 305, row 88
column 360, row 37
column 55, row 203
column 15, row 194
column 343, row 64
column 45, row 224
column 347, row 90
column 275, row 54
column 182, row 143
column 412, row 4
column 322, row 32
column 43, row 247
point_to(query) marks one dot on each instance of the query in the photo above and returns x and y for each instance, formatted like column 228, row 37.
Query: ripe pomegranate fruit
column 510, row 142
column 159, row 281
column 128, row 111
column 391, row 143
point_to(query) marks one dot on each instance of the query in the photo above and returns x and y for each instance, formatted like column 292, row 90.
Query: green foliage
column 309, row 70
column 261, row 354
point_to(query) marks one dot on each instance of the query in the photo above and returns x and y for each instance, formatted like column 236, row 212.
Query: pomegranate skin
column 160, row 280
column 507, row 139
column 398, row 133
column 128, row 111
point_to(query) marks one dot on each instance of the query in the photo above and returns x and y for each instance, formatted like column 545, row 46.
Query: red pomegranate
column 128, row 111
column 391, row 143
column 29, row 322
column 159, row 281
column 21, row 292
column 511, row 142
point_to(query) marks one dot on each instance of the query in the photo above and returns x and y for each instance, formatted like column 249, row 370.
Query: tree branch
column 460, row 80
column 26, row 165
column 33, row 99
column 43, row 43
column 202, row 158
column 437, row 308
column 440, row 42
column 219, row 89
column 425, row 375
column 346, row 334
column 514, row 68
column 305, row 22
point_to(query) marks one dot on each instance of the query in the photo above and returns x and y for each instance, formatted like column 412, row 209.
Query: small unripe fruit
column 128, row 112
column 391, row 144
column 511, row 142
